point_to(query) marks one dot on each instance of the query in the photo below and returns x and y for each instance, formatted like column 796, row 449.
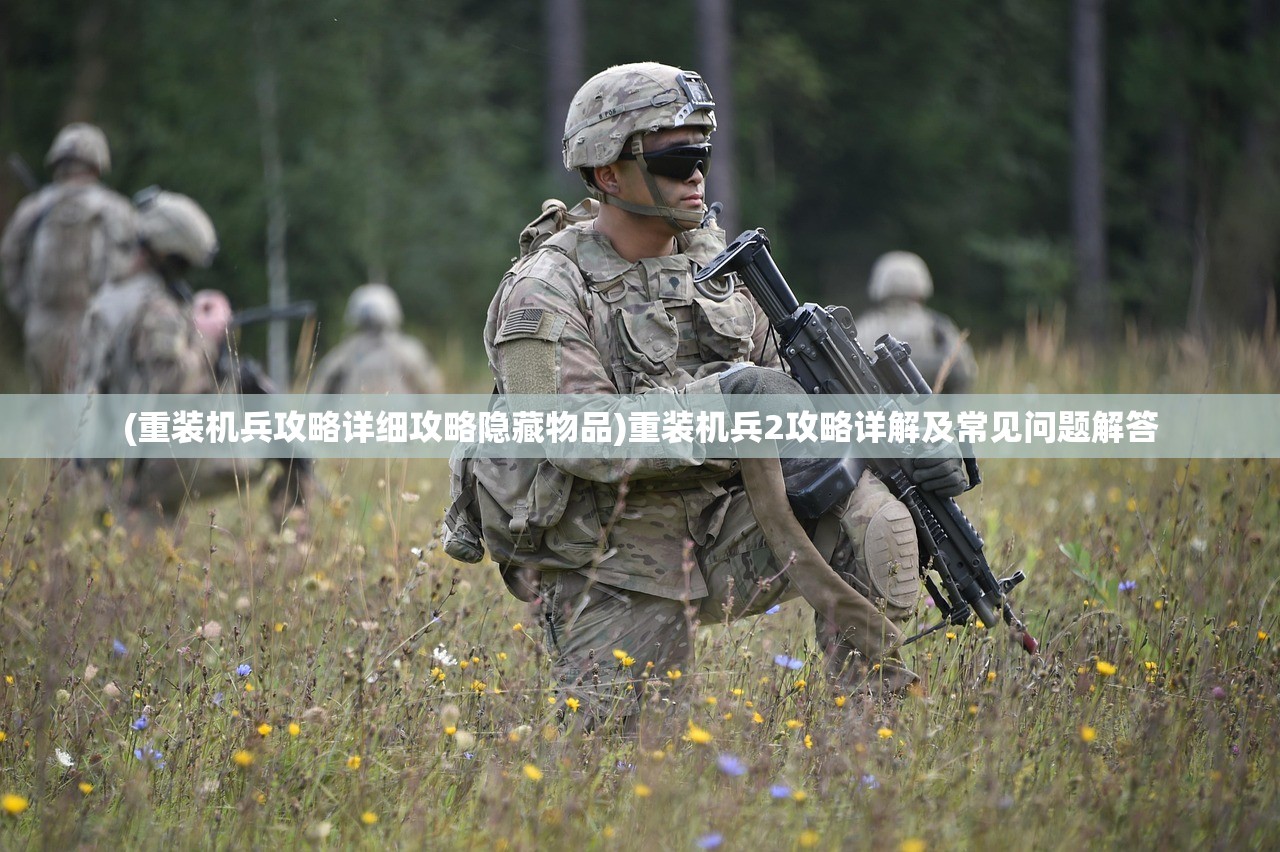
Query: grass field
column 212, row 682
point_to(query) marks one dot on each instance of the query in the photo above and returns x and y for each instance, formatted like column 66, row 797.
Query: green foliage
column 411, row 138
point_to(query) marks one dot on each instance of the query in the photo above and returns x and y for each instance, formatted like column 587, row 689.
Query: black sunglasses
column 678, row 162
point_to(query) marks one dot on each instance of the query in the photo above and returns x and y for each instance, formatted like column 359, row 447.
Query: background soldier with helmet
column 61, row 245
column 633, row 554
column 899, row 287
column 377, row 358
column 146, row 333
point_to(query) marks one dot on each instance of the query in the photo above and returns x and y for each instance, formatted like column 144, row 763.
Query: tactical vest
column 658, row 332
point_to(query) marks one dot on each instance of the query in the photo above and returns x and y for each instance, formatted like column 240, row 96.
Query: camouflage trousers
column 611, row 646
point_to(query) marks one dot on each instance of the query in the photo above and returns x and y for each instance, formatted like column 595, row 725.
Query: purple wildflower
column 1128, row 585
column 710, row 841
column 118, row 648
column 780, row 791
column 870, row 782
column 731, row 765
column 244, row 670
column 788, row 662
column 141, row 723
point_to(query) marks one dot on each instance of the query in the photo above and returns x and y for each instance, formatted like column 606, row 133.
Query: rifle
column 23, row 172
column 821, row 349
column 253, row 379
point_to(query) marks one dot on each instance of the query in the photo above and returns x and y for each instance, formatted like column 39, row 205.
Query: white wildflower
column 63, row 758
column 443, row 657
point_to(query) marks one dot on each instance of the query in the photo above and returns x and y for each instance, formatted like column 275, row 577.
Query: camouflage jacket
column 934, row 340
column 377, row 362
column 62, row 244
column 138, row 338
column 574, row 317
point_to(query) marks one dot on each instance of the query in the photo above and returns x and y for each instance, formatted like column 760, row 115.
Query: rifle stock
column 820, row 347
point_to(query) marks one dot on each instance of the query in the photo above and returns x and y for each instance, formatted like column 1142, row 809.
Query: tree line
column 367, row 140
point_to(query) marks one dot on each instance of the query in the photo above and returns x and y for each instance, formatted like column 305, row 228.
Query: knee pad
column 885, row 563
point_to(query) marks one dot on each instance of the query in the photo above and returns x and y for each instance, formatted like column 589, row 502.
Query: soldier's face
column 684, row 194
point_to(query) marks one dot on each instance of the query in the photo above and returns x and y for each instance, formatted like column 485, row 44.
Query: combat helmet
column 83, row 142
column 172, row 225
column 617, row 106
column 900, row 275
column 374, row 307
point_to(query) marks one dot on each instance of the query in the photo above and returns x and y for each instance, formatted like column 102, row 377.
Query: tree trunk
column 1088, row 208
column 714, row 31
column 277, row 211
column 565, row 31
column 91, row 66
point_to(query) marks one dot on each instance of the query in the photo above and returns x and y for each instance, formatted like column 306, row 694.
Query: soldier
column 630, row 556
column 900, row 286
column 62, row 245
column 377, row 358
column 146, row 334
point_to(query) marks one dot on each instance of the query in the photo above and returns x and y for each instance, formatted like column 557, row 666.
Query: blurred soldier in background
column 627, row 556
column 377, row 358
column 61, row 246
column 900, row 285
column 146, row 334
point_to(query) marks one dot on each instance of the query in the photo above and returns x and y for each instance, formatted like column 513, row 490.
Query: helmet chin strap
column 681, row 220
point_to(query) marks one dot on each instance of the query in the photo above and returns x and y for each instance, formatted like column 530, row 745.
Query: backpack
column 520, row 509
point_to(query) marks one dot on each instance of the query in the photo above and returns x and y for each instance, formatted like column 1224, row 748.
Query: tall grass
column 356, row 687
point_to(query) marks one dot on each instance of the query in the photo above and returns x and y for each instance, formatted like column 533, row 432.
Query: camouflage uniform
column 900, row 285
column 62, row 245
column 140, row 338
column 627, row 555
column 377, row 359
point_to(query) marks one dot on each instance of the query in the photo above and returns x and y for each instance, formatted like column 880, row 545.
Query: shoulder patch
column 535, row 323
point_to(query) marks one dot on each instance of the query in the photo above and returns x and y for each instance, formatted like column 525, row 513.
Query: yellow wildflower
column 951, row 636
column 86, row 787
column 884, row 733
column 264, row 729
column 450, row 730
column 13, row 804
column 478, row 686
column 573, row 704
column 3, row 736
column 619, row 654
column 697, row 735
column 808, row 741
column 840, row 700
column 353, row 762
column 248, row 687
column 912, row 844
column 242, row 758
column 674, row 674
column 294, row 729
column 1106, row 669
column 757, row 718
column 991, row 676
column 532, row 772
column 368, row 818
column 807, row 839
column 517, row 627
column 710, row 699
column 1263, row 636
column 792, row 724
column 799, row 795
column 643, row 791
column 1088, row 733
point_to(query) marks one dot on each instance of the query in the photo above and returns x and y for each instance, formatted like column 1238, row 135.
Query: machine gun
column 821, row 349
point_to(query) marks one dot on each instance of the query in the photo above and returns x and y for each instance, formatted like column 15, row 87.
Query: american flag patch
column 523, row 323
